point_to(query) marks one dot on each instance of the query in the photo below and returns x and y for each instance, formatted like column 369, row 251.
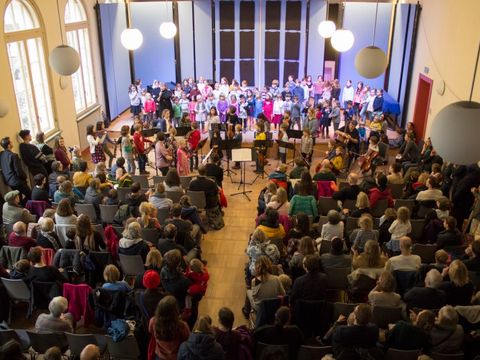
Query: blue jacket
column 200, row 346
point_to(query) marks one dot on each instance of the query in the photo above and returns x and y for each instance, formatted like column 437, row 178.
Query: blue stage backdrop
column 115, row 58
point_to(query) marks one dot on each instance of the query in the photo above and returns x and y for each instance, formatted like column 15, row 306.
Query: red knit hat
column 151, row 279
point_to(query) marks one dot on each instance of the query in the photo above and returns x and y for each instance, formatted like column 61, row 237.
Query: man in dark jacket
column 187, row 233
column 451, row 236
column 312, row 285
column 351, row 191
column 428, row 297
column 31, row 155
column 213, row 169
column 168, row 243
column 208, row 186
column 12, row 170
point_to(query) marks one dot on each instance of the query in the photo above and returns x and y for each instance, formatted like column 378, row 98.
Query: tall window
column 23, row 35
column 76, row 26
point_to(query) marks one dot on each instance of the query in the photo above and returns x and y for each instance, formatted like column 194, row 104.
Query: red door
column 422, row 104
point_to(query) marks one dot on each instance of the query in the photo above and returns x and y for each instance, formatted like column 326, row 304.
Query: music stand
column 294, row 134
column 228, row 145
column 183, row 130
column 287, row 145
column 200, row 146
column 242, row 155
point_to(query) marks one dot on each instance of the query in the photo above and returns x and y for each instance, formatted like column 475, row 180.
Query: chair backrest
column 125, row 349
column 456, row 252
column 142, row 180
column 43, row 292
column 185, row 181
column 313, row 352
column 107, row 213
column 132, row 265
column 396, row 354
column 151, row 234
column 379, row 209
column 197, row 198
column 65, row 257
column 87, row 209
column 17, row 289
column 439, row 356
column 262, row 348
column 325, row 247
column 349, row 204
column 99, row 229
column 408, row 203
column 37, row 207
column 123, row 192
column 61, row 231
column 312, row 317
column 405, row 280
column 325, row 188
column 158, row 179
column 77, row 342
column 162, row 215
column 325, row 204
column 322, row 221
column 425, row 251
column 7, row 335
column 396, row 190
column 350, row 224
column 424, row 207
column 266, row 311
column 344, row 309
column 41, row 341
column 174, row 195
column 337, row 278
column 384, row 315
column 9, row 255
column 8, row 228
column 417, row 229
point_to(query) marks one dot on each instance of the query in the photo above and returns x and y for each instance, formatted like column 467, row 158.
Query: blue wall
column 360, row 19
column 316, row 44
column 115, row 58
column 155, row 59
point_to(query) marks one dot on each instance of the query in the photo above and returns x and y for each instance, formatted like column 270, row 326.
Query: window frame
column 74, row 28
column 23, row 36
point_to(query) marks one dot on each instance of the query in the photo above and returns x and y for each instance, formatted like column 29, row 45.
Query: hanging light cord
column 60, row 22
column 475, row 72
column 375, row 26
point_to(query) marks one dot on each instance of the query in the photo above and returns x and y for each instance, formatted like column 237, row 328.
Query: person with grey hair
column 90, row 352
column 447, row 335
column 57, row 319
column 132, row 243
column 428, row 297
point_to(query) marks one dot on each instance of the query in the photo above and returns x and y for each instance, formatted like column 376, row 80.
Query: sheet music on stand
column 242, row 155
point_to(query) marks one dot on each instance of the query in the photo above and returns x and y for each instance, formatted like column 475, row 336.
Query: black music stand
column 229, row 145
column 287, row 145
column 294, row 134
column 242, row 155
column 200, row 146
column 261, row 145
column 183, row 130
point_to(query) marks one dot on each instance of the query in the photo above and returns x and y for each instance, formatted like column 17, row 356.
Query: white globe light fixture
column 326, row 28
column 131, row 38
column 64, row 60
column 455, row 130
column 371, row 62
column 342, row 40
column 168, row 30
column 3, row 108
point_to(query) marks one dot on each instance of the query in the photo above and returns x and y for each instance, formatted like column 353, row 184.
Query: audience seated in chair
column 451, row 236
column 458, row 288
column 411, row 335
column 429, row 296
column 132, row 243
column 41, row 272
column 384, row 293
column 336, row 258
column 406, row 261
column 19, row 238
column 57, row 319
column 47, row 238
column 12, row 211
column 159, row 198
column 201, row 343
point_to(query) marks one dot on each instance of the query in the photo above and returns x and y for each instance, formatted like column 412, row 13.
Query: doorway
column 422, row 105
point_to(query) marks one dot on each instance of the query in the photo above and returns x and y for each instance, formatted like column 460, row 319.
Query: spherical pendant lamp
column 326, row 28
column 455, row 130
column 371, row 62
column 3, row 108
column 342, row 40
column 168, row 30
column 131, row 38
column 64, row 60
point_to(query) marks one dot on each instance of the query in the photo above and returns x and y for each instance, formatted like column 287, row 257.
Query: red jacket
column 21, row 241
column 194, row 139
column 199, row 282
column 139, row 142
column 149, row 106
column 375, row 195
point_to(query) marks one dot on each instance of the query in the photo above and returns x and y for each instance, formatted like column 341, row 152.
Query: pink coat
column 149, row 106
column 183, row 164
column 268, row 109
column 78, row 305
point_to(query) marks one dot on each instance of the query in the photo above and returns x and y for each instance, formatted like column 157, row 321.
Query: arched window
column 23, row 36
column 76, row 26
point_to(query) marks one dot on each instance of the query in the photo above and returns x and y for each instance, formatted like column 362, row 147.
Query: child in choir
column 183, row 166
column 184, row 104
column 287, row 104
column 325, row 120
column 149, row 107
column 192, row 105
column 258, row 105
column 244, row 86
column 306, row 146
column 232, row 117
column 337, row 161
column 238, row 137
column 193, row 140
column 233, row 101
column 224, row 88
column 206, row 90
column 274, row 89
column 268, row 107
column 250, row 108
column 242, row 112
column 177, row 112
column 277, row 111
column 222, row 107
column 296, row 110
column 200, row 113
column 282, row 136
column 216, row 91
column 286, row 91
column 178, row 91
column 210, row 102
